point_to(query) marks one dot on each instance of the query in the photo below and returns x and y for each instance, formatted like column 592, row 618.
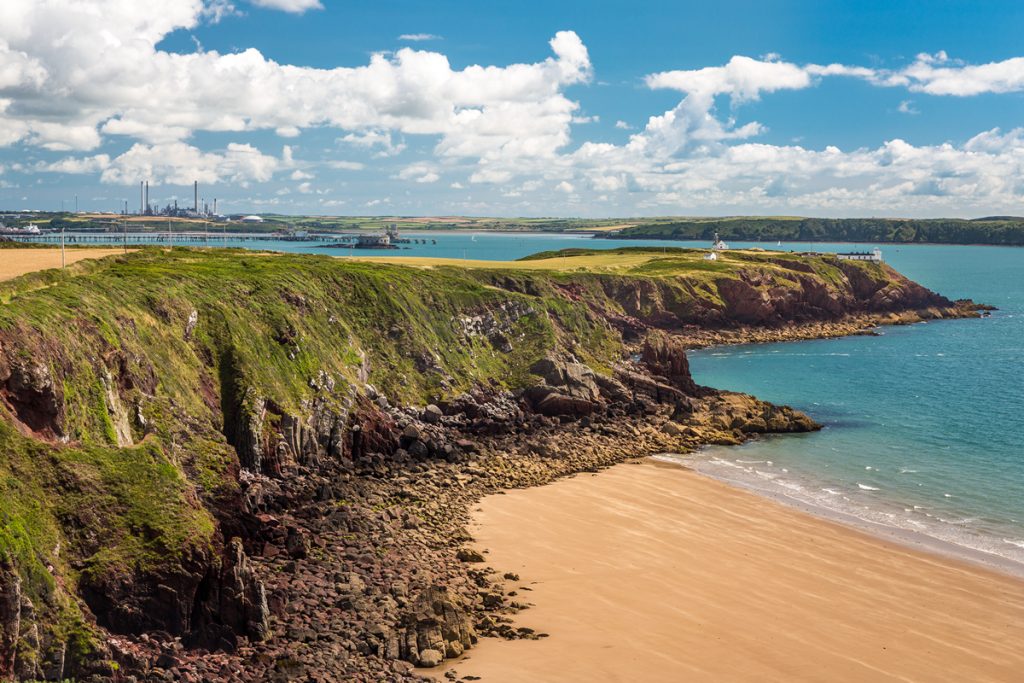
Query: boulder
column 436, row 619
column 412, row 433
column 296, row 543
column 571, row 378
column 642, row 385
column 453, row 648
column 431, row 414
column 418, row 450
column 555, row 404
column 672, row 429
column 469, row 555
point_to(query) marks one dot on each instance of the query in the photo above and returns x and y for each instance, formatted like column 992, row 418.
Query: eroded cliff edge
column 249, row 466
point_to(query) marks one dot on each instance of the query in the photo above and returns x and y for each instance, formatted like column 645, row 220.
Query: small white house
column 873, row 255
column 719, row 244
column 713, row 256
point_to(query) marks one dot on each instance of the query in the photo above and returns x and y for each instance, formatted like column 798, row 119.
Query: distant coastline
column 993, row 230
column 989, row 230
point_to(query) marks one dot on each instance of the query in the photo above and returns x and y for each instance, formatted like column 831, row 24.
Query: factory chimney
column 195, row 198
column 147, row 197
column 142, row 196
column 214, row 206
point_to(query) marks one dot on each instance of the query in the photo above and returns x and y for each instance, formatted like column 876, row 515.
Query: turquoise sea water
column 489, row 246
column 924, row 425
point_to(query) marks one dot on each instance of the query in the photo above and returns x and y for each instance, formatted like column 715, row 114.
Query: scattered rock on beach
column 469, row 555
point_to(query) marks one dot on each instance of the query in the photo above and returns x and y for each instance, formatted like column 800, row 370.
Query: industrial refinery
column 204, row 209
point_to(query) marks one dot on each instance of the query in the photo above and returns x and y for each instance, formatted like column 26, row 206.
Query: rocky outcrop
column 28, row 387
column 230, row 602
column 436, row 628
column 10, row 619
column 665, row 357
column 569, row 389
column 271, row 440
column 496, row 323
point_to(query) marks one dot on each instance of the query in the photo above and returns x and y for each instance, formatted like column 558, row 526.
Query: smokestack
column 142, row 196
column 214, row 206
column 195, row 198
column 147, row 197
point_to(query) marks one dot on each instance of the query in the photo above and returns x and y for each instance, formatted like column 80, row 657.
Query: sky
column 526, row 108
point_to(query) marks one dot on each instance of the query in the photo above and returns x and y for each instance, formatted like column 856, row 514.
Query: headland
column 237, row 465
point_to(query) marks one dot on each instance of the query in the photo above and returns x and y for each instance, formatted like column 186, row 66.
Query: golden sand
column 15, row 262
column 652, row 573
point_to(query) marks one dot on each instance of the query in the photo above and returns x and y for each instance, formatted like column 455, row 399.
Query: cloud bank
column 508, row 127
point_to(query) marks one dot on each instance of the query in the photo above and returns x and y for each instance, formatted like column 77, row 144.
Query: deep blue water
column 924, row 425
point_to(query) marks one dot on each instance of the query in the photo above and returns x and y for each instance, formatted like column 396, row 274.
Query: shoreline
column 652, row 571
column 915, row 540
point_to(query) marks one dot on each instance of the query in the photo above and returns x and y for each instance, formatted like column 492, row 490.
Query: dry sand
column 650, row 572
column 15, row 262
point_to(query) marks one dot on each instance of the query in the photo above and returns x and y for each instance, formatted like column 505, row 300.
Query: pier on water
column 211, row 238
column 166, row 237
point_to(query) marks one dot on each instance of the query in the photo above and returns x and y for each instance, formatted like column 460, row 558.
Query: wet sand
column 15, row 262
column 651, row 572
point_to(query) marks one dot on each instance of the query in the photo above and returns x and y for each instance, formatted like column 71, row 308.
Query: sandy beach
column 651, row 572
column 15, row 262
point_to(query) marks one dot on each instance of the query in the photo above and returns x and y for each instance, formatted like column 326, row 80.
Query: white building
column 252, row 219
column 873, row 255
column 713, row 256
column 719, row 244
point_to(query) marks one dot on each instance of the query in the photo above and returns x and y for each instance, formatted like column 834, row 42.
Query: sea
column 924, row 424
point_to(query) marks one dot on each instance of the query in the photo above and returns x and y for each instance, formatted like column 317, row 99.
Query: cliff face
column 160, row 412
column 676, row 289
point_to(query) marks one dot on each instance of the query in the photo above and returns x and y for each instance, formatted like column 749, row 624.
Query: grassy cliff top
column 640, row 261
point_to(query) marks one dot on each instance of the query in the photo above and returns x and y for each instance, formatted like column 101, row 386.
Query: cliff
column 195, row 444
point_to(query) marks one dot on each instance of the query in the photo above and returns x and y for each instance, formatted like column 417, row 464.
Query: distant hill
column 998, row 230
column 1015, row 219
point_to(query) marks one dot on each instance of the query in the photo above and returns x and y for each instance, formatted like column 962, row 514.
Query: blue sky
column 615, row 108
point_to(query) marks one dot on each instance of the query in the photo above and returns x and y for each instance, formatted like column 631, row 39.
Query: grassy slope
column 115, row 493
column 125, row 481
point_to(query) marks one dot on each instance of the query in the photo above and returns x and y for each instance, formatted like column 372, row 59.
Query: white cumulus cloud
column 293, row 6
column 419, row 37
column 506, row 128
column 53, row 54
column 177, row 163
